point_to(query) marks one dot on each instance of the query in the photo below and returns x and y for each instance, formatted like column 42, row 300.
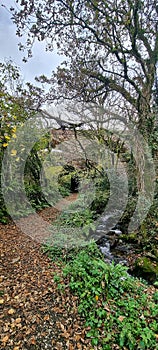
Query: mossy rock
column 130, row 238
column 146, row 269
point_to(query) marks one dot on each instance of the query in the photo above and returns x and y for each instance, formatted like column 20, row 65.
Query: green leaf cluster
column 116, row 307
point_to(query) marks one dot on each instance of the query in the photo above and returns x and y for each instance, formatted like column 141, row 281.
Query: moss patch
column 146, row 268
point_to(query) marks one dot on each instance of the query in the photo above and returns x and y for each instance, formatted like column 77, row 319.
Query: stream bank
column 125, row 249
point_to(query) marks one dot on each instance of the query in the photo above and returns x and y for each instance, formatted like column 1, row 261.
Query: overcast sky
column 42, row 62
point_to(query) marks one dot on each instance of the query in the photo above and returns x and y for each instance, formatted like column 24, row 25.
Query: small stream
column 114, row 249
column 108, row 238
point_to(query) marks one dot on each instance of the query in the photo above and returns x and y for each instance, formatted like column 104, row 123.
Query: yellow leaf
column 5, row 144
column 13, row 152
column 7, row 137
column 11, row 311
column 96, row 297
column 14, row 136
column 14, row 129
column 1, row 301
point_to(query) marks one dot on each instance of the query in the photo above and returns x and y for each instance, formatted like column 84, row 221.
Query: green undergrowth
column 120, row 311
column 75, row 219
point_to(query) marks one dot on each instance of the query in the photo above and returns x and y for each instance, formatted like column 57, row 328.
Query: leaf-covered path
column 34, row 314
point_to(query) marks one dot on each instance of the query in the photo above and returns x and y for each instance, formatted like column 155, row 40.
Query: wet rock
column 106, row 252
column 99, row 233
column 106, row 249
column 101, row 228
column 123, row 248
column 119, row 260
column 106, row 218
column 102, row 241
column 116, row 232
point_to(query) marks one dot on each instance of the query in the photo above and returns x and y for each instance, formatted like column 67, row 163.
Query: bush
column 99, row 203
column 75, row 219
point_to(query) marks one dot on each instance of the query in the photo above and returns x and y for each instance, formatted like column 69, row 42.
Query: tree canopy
column 110, row 47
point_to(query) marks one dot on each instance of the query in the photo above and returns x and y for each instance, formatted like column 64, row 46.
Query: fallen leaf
column 5, row 339
column 62, row 327
column 1, row 301
column 1, row 278
column 33, row 341
column 103, row 284
column 15, row 260
column 32, row 300
column 106, row 308
column 11, row 311
column 66, row 335
column 121, row 318
column 33, row 320
column 6, row 327
column 77, row 337
column 46, row 318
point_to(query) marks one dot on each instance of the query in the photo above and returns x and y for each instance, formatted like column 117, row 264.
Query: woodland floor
column 34, row 314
